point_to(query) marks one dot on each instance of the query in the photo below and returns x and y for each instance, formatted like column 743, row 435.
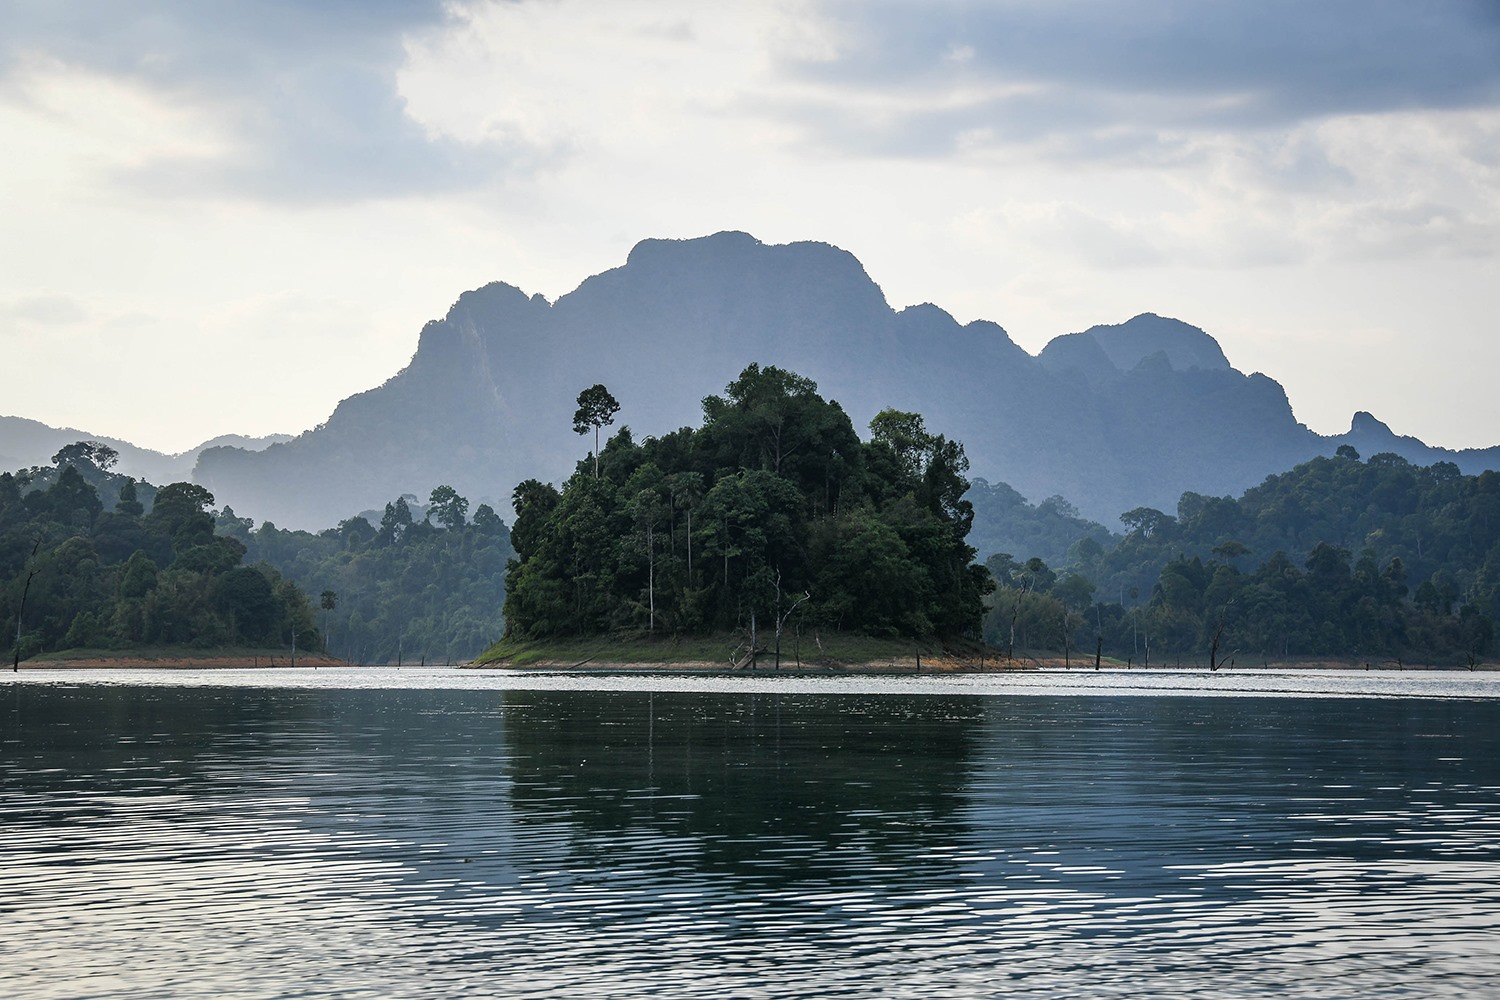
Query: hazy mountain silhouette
column 1112, row 418
column 1102, row 352
column 25, row 443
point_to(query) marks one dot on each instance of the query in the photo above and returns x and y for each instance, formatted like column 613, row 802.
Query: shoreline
column 266, row 660
column 939, row 665
column 935, row 665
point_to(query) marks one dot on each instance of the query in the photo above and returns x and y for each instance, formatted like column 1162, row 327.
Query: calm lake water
column 449, row 833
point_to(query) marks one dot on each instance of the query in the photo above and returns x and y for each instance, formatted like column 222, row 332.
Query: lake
column 447, row 833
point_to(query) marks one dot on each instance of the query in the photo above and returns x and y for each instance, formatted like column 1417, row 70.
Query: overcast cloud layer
column 227, row 217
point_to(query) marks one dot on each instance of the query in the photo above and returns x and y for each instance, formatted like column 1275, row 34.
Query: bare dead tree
column 1213, row 646
column 781, row 621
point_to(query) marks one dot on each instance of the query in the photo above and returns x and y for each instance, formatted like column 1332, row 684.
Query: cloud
column 304, row 94
column 45, row 310
column 342, row 100
column 1079, row 72
column 578, row 77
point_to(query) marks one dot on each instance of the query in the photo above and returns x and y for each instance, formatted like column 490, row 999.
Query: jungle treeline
column 773, row 514
column 84, row 564
column 422, row 582
column 1376, row 560
column 93, row 559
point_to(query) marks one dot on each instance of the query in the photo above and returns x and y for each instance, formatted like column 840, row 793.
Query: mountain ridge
column 25, row 443
column 1113, row 417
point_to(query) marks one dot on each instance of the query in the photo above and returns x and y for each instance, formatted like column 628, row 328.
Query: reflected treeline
column 70, row 753
column 740, row 772
column 135, row 740
column 1127, row 781
column 99, row 731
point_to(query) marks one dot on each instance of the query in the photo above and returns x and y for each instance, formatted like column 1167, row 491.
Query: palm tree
column 329, row 602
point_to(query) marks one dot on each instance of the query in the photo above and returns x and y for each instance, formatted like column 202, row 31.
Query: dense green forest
column 77, row 573
column 1380, row 560
column 773, row 514
column 424, row 582
column 1053, row 530
column 105, row 561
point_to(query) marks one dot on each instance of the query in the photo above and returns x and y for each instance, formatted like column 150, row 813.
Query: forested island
column 773, row 516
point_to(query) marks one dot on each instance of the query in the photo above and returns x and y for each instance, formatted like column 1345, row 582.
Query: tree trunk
column 1015, row 612
column 1213, row 646
column 779, row 619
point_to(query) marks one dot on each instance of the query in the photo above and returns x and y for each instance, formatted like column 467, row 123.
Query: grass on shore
column 179, row 655
column 827, row 650
column 819, row 650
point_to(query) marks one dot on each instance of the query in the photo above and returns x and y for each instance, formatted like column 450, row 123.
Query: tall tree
column 100, row 456
column 448, row 507
column 596, row 409
column 395, row 522
column 328, row 602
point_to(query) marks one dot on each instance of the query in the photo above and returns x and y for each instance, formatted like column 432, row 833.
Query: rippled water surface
column 202, row 838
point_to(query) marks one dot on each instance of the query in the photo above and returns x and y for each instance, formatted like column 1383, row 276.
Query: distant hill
column 25, row 443
column 1111, row 418
column 1101, row 353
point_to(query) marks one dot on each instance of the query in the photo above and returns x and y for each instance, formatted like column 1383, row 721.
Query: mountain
column 25, row 443
column 1112, row 418
column 1102, row 352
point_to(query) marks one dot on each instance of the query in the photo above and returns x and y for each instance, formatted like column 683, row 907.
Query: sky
column 224, row 218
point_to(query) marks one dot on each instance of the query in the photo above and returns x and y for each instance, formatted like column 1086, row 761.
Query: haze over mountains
column 1112, row 418
column 24, row 443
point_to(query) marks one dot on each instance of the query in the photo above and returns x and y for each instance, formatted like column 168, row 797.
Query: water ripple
column 196, row 841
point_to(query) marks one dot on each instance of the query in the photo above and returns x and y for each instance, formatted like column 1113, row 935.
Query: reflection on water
column 216, row 841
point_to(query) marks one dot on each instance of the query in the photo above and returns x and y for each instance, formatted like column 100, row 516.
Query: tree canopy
column 1380, row 560
column 426, row 584
column 596, row 409
column 128, row 576
column 173, row 570
column 773, row 507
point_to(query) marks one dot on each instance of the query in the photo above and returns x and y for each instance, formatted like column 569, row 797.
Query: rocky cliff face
column 1112, row 418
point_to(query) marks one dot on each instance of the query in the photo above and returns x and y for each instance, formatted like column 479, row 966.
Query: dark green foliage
column 395, row 523
column 596, row 409
column 128, row 504
column 128, row 577
column 448, row 507
column 774, row 507
column 248, row 596
column 1380, row 560
column 101, row 456
column 423, row 586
